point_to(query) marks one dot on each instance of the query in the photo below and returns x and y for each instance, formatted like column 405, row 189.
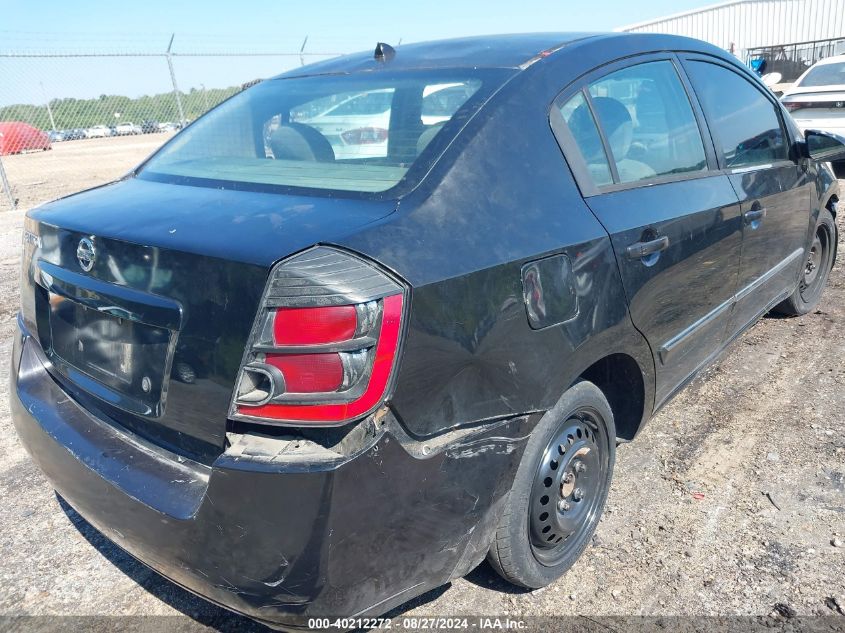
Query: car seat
column 619, row 129
column 427, row 136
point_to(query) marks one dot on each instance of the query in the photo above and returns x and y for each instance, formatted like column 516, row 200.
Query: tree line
column 84, row 113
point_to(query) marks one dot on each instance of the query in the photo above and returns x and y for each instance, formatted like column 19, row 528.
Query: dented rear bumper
column 278, row 539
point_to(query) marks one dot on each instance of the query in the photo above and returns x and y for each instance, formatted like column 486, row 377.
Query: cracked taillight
column 324, row 344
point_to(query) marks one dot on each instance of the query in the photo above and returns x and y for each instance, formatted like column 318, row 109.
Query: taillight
column 364, row 136
column 792, row 106
column 311, row 326
column 324, row 344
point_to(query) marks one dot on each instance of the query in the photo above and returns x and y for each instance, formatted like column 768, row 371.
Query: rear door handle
column 638, row 250
column 755, row 215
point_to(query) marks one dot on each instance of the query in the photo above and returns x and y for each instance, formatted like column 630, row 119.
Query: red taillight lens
column 325, row 342
column 314, row 326
column 309, row 373
column 792, row 106
column 385, row 352
column 364, row 136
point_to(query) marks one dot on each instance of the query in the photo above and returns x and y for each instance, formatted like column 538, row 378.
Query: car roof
column 485, row 51
column 835, row 59
column 516, row 51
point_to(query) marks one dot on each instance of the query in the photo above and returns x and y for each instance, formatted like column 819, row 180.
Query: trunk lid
column 143, row 294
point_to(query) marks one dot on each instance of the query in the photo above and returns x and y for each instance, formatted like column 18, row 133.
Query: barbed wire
column 19, row 43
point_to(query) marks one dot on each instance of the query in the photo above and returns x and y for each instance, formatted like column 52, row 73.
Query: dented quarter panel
column 462, row 238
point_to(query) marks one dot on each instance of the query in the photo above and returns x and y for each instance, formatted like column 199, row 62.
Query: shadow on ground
column 171, row 594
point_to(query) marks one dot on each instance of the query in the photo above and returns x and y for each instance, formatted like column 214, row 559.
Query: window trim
column 573, row 154
column 605, row 143
column 569, row 147
column 745, row 75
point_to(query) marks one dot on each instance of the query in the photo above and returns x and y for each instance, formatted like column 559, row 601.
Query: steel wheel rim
column 814, row 266
column 568, row 487
column 811, row 268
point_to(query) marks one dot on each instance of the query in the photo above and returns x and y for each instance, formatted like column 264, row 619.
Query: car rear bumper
column 278, row 540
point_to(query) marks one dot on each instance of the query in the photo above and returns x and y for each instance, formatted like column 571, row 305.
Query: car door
column 753, row 148
column 640, row 150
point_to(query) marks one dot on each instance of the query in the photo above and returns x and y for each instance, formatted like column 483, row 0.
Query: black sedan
column 316, row 369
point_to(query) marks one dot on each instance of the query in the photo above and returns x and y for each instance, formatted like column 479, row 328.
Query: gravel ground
column 71, row 166
column 731, row 501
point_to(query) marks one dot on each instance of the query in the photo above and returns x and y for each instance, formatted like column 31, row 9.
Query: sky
column 259, row 26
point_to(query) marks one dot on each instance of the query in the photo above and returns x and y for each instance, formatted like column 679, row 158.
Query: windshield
column 360, row 133
column 825, row 75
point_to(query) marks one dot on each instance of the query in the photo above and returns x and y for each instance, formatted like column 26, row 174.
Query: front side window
column 743, row 120
column 359, row 133
column 648, row 122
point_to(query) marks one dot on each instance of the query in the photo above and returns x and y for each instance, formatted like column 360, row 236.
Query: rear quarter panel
column 501, row 196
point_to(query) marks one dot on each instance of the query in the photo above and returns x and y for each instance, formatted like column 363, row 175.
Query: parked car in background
column 356, row 124
column 56, row 136
column 17, row 137
column 817, row 100
column 126, row 128
column 306, row 382
column 98, row 131
column 75, row 134
column 148, row 126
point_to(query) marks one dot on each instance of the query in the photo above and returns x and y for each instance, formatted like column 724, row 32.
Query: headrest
column 616, row 123
column 427, row 136
column 297, row 141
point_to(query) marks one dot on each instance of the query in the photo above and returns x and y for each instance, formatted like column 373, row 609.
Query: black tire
column 559, row 490
column 817, row 267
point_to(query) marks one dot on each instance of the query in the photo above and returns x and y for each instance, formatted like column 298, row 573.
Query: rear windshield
column 363, row 132
column 825, row 75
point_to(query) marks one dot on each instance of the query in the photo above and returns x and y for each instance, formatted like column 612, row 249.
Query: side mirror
column 825, row 146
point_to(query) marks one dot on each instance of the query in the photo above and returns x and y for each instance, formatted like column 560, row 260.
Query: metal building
column 790, row 34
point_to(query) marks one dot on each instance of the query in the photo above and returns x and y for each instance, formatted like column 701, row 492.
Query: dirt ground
column 71, row 166
column 731, row 501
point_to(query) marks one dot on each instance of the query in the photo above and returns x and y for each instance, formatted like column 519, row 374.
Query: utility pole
column 49, row 109
column 302, row 52
column 169, row 56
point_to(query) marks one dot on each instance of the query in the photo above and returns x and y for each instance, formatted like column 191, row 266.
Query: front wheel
column 816, row 269
column 559, row 490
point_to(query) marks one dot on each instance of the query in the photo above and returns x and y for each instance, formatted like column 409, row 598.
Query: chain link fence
column 71, row 120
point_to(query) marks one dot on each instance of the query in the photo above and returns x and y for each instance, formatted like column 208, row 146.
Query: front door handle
column 638, row 250
column 755, row 215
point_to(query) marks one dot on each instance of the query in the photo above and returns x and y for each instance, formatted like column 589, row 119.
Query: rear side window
column 359, row 133
column 578, row 118
column 743, row 120
column 648, row 122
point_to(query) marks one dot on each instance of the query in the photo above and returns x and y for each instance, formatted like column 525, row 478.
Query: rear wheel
column 559, row 491
column 817, row 267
